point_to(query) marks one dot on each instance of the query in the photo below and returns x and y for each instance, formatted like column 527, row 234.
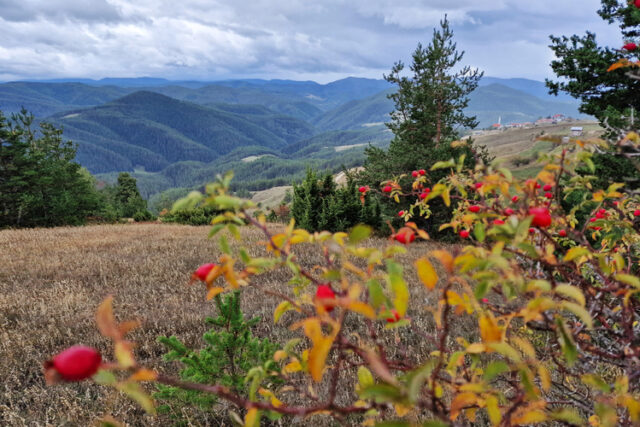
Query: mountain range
column 179, row 134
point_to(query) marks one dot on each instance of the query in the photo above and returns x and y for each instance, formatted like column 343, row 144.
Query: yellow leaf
column 124, row 354
column 530, row 417
column 213, row 292
column 321, row 346
column 460, row 402
column 577, row 252
column 282, row 308
column 476, row 348
column 489, row 329
column 545, row 378
column 292, row 367
column 571, row 292
column 493, row 410
column 144, row 375
column 402, row 410
column 427, row 273
column 362, row 308
column 252, row 419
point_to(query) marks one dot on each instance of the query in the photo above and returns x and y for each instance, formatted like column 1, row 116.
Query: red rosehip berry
column 562, row 233
column 203, row 271
column 592, row 220
column 508, row 211
column 464, row 234
column 599, row 215
column 636, row 212
column 637, row 3
column 514, row 199
column 474, row 208
column 478, row 185
column 422, row 172
column 485, row 300
column 597, row 229
column 77, row 363
column 538, row 185
column 401, row 213
column 363, row 189
column 387, row 189
column 541, row 217
column 423, row 195
column 602, row 211
column 630, row 46
column 405, row 236
column 532, row 230
column 324, row 293
column 395, row 316
column 548, row 195
column 616, row 203
column 498, row 222
column 415, row 174
column 547, row 187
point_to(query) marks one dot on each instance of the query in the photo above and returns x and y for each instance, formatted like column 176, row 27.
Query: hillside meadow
column 51, row 281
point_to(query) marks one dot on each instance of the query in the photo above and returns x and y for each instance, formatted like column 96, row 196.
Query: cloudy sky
column 321, row 40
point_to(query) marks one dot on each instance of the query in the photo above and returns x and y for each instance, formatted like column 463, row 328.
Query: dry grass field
column 51, row 281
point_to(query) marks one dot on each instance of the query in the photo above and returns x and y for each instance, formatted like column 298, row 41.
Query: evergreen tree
column 318, row 204
column 231, row 351
column 40, row 183
column 428, row 114
column 581, row 65
column 128, row 196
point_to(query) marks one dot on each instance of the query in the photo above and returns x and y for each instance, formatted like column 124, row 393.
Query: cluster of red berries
column 416, row 174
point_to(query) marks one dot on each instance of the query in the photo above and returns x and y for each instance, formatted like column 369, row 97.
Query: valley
column 179, row 135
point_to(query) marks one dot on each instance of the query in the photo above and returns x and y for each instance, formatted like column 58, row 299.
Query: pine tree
column 231, row 351
column 40, row 183
column 429, row 111
column 582, row 65
column 128, row 196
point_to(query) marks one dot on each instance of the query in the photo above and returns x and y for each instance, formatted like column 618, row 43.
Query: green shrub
column 143, row 215
column 195, row 216
column 231, row 351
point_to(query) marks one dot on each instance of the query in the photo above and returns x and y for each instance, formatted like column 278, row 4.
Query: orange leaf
column 213, row 292
column 144, row 375
column 445, row 259
column 321, row 346
column 106, row 323
column 460, row 402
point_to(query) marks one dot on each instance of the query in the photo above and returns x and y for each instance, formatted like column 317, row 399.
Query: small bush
column 142, row 216
column 195, row 216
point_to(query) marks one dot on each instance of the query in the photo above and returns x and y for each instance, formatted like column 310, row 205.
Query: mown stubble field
column 51, row 281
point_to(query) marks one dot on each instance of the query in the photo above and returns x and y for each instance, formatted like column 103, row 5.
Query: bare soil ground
column 51, row 281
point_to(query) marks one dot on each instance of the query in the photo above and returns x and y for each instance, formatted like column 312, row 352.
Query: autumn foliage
column 555, row 304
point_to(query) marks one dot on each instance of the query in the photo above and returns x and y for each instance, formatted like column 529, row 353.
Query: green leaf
column 382, row 393
column 443, row 165
column 215, row 229
column 629, row 280
column 398, row 286
column 566, row 343
column 134, row 391
column 104, row 377
column 596, row 382
column 575, row 253
column 359, row 233
column 568, row 415
column 224, row 245
column 479, row 232
column 365, row 378
column 417, row 378
column 494, row 369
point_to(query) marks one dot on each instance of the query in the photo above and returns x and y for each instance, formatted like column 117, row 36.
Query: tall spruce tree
column 428, row 116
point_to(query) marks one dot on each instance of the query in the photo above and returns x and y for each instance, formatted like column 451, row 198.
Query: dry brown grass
column 51, row 281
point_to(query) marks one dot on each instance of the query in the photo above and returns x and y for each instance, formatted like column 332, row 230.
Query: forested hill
column 150, row 130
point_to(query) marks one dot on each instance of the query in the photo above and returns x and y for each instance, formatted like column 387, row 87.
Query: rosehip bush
column 554, row 304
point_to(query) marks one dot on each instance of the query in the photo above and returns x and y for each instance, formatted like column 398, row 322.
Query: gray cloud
column 322, row 40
